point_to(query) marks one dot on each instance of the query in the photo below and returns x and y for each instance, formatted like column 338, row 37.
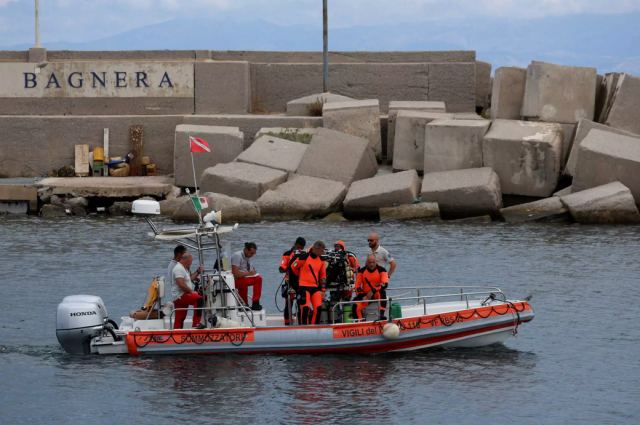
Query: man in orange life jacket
column 290, row 287
column 370, row 284
column 312, row 275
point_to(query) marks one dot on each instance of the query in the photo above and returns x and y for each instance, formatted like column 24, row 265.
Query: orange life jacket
column 309, row 269
column 369, row 281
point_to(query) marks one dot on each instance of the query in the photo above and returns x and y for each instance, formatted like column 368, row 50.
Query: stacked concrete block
column 226, row 144
column 312, row 105
column 605, row 95
column 454, row 83
column 250, row 124
column 611, row 203
column 463, row 193
column 526, row 156
column 555, row 93
column 408, row 150
column 366, row 196
column 338, row 156
column 359, row 118
column 454, row 144
column 396, row 106
column 583, row 129
column 234, row 210
column 290, row 133
column 483, row 84
column 241, row 180
column 605, row 157
column 549, row 209
column 222, row 87
column 568, row 135
column 274, row 152
column 302, row 197
column 467, row 116
column 625, row 105
column 507, row 93
column 418, row 211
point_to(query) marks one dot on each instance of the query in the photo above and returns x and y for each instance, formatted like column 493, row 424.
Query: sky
column 78, row 20
column 70, row 23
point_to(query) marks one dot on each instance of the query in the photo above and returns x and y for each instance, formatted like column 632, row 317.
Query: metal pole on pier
column 37, row 22
column 325, row 47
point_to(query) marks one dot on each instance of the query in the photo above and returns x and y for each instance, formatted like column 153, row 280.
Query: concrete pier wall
column 53, row 100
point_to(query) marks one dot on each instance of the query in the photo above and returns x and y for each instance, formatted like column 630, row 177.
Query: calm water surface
column 578, row 362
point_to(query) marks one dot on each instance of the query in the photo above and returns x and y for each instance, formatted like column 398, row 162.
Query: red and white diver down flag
column 198, row 145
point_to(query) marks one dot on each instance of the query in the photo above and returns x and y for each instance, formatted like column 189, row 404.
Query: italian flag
column 200, row 202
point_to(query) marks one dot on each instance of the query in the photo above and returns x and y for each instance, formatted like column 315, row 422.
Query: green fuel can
column 396, row 310
column 346, row 313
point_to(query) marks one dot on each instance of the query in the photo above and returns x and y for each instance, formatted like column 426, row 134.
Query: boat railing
column 463, row 293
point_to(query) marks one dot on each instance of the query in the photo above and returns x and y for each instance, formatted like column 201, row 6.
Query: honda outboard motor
column 79, row 319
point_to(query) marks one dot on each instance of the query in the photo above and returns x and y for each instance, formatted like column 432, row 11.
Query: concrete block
column 274, row 84
column 454, row 144
column 556, row 93
column 20, row 192
column 226, row 144
column 455, row 84
column 608, row 90
column 312, row 105
column 37, row 55
column 418, row 211
column 14, row 207
column 507, row 93
column 222, row 87
column 463, row 193
column 56, row 137
column 625, row 107
column 611, row 203
column 302, row 135
column 549, row 209
column 108, row 187
column 50, row 211
column 346, row 57
column 274, row 152
column 338, row 156
column 169, row 206
column 568, row 135
column 526, row 156
column 395, row 106
column 241, row 180
column 250, row 124
column 234, row 210
column 566, row 191
column 302, row 197
column 605, row 157
column 468, row 116
column 483, row 84
column 97, row 88
column 360, row 118
column 366, row 196
column 408, row 150
column 582, row 130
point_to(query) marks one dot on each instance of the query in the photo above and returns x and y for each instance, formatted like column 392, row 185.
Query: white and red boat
column 417, row 318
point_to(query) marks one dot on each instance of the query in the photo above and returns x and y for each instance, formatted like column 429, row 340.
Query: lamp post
column 37, row 23
column 325, row 48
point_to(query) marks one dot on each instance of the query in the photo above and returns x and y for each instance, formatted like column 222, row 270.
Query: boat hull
column 466, row 328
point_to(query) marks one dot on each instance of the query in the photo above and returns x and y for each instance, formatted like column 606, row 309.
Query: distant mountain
column 608, row 42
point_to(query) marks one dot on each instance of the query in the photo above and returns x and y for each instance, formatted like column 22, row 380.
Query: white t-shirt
column 240, row 261
column 169, row 276
column 179, row 272
column 383, row 258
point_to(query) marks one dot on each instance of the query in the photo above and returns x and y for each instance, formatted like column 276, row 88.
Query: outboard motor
column 79, row 319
